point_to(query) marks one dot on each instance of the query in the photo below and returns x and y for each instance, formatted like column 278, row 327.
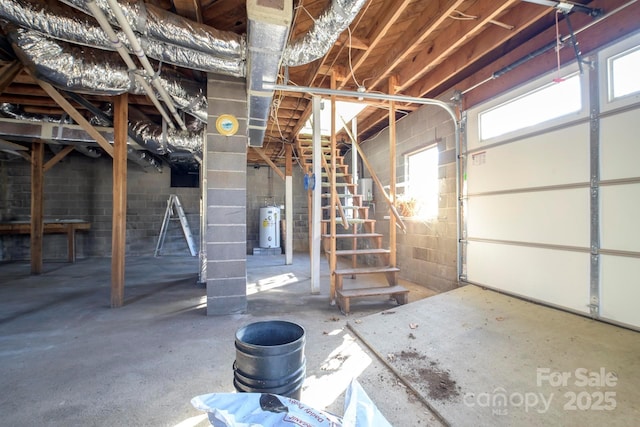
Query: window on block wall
column 421, row 185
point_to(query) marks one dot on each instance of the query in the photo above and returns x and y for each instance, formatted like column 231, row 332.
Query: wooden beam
column 522, row 18
column 378, row 32
column 333, row 258
column 119, row 218
column 9, row 73
column 355, row 42
column 288, row 211
column 288, row 168
column 75, row 115
column 189, row 9
column 266, row 158
column 7, row 145
column 422, row 29
column 55, row 159
column 392, row 171
column 447, row 42
column 37, row 206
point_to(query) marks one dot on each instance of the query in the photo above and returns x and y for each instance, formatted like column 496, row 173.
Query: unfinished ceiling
column 427, row 48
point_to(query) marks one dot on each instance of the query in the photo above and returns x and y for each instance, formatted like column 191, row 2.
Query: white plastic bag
column 270, row 410
column 260, row 409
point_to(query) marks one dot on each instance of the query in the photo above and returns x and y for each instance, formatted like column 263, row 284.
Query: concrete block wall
column 80, row 187
column 225, row 167
column 426, row 254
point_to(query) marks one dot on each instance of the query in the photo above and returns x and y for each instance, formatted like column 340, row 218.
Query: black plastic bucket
column 270, row 358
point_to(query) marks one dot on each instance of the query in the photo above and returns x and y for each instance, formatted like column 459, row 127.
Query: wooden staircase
column 357, row 240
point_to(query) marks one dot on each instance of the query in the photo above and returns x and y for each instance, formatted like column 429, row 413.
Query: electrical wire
column 351, row 66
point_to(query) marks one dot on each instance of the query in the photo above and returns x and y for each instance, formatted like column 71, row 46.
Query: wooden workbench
column 68, row 227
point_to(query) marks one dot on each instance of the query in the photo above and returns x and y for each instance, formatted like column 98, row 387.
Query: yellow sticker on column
column 227, row 124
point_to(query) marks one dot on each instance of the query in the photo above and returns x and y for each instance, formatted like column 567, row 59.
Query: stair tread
column 327, row 195
column 366, row 270
column 338, row 184
column 365, row 292
column 352, row 220
column 348, row 207
column 371, row 251
column 349, row 235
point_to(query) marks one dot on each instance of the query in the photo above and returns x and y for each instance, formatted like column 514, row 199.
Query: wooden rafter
column 75, row 115
column 521, row 18
column 491, row 37
column 8, row 74
column 421, row 30
column 266, row 158
column 458, row 33
column 59, row 156
column 378, row 32
column 189, row 9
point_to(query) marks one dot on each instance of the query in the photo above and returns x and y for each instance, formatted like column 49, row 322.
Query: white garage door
column 552, row 193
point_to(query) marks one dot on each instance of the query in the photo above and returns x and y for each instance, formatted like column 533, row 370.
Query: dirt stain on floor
column 438, row 382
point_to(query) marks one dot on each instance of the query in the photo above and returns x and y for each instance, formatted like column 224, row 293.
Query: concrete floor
column 66, row 358
column 481, row 358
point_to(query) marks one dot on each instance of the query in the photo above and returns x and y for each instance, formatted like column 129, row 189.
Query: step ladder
column 174, row 207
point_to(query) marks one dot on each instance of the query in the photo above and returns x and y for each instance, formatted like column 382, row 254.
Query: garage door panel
column 619, row 147
column 620, row 289
column 619, row 213
column 555, row 277
column 559, row 217
column 553, row 158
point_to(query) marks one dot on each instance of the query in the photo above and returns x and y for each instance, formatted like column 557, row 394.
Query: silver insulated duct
column 268, row 30
column 94, row 71
column 225, row 53
column 324, row 33
column 170, row 28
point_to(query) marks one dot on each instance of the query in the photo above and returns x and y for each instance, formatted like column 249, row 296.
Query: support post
column 354, row 181
column 392, row 170
column 316, row 213
column 119, row 218
column 333, row 259
column 37, row 205
column 288, row 209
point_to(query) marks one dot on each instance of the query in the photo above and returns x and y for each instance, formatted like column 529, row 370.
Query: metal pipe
column 139, row 52
column 115, row 41
column 365, row 95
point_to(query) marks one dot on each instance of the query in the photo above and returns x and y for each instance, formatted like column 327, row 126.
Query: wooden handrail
column 392, row 206
column 345, row 223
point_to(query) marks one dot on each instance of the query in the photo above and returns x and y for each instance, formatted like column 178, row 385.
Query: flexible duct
column 172, row 140
column 142, row 130
column 165, row 26
column 12, row 111
column 78, row 28
column 93, row 71
column 324, row 33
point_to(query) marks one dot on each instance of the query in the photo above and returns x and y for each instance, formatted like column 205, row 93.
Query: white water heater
column 270, row 227
column 365, row 185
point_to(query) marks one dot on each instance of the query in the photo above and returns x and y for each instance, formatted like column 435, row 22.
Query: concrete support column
column 226, row 195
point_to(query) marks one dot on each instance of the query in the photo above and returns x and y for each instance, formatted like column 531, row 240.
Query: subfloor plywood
column 478, row 357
